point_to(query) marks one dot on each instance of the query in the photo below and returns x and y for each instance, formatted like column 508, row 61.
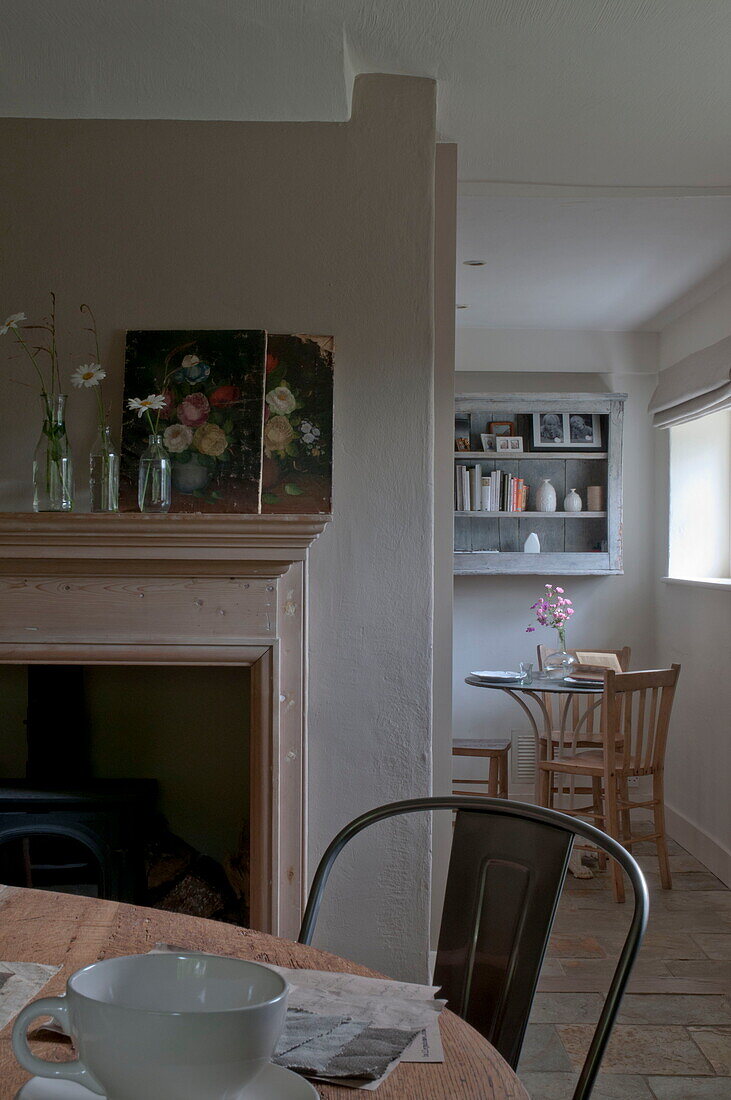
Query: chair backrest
column 584, row 708
column 506, row 873
column 636, row 714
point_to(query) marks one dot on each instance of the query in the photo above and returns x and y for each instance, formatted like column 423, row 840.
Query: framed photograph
column 509, row 444
column 461, row 443
column 584, row 430
column 550, row 429
column 462, row 431
column 488, row 441
column 501, row 427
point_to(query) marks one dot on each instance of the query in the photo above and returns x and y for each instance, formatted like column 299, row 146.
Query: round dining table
column 70, row 932
column 530, row 697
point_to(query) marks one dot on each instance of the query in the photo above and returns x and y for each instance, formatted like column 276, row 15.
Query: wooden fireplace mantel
column 134, row 589
column 269, row 543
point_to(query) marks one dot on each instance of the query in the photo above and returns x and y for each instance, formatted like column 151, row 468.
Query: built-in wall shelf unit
column 510, row 450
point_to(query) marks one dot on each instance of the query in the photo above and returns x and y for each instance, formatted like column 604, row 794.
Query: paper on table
column 19, row 983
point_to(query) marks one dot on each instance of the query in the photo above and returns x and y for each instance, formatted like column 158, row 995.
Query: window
column 700, row 498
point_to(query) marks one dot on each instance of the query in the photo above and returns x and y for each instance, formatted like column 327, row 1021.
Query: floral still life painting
column 298, row 424
column 203, row 392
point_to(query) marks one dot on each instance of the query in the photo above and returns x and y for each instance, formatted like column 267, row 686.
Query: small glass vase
column 559, row 664
column 104, row 473
column 53, row 473
column 153, row 486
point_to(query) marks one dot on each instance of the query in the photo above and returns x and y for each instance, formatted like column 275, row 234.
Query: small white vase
column 572, row 502
column 546, row 497
column 532, row 544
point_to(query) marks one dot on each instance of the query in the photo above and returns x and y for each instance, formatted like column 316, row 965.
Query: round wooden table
column 43, row 927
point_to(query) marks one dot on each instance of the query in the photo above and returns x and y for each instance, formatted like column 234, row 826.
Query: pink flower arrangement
column 194, row 410
column 554, row 609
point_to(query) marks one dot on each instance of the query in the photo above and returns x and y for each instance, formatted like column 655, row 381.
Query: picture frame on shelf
column 584, row 431
column 462, row 431
column 501, row 427
column 509, row 444
column 488, row 441
column 550, row 430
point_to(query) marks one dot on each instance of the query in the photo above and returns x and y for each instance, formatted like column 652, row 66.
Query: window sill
column 700, row 582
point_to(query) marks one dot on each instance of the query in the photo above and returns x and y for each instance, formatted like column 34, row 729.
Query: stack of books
column 497, row 492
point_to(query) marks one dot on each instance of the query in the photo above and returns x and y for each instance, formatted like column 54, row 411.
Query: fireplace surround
column 135, row 589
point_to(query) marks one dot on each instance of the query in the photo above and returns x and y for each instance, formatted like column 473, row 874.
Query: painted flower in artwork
column 194, row 410
column 281, row 400
column 310, row 434
column 177, row 438
column 192, row 369
column 224, row 396
column 272, row 362
column 278, row 434
column 210, row 440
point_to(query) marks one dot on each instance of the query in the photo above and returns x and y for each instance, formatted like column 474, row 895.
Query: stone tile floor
column 672, row 1040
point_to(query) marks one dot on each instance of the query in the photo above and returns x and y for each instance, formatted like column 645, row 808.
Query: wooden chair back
column 636, row 716
column 585, row 710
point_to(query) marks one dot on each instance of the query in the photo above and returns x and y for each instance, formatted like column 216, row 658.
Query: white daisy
column 141, row 405
column 11, row 322
column 88, row 374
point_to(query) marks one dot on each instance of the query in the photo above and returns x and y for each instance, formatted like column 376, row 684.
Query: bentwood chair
column 506, row 872
column 582, row 713
column 635, row 716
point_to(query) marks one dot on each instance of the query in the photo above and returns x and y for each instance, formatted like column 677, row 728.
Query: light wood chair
column 496, row 752
column 635, row 716
column 579, row 704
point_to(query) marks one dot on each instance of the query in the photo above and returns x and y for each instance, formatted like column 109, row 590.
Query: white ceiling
column 562, row 91
column 623, row 93
column 585, row 263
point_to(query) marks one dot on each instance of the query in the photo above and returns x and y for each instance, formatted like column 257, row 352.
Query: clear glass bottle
column 153, row 487
column 104, row 473
column 560, row 663
column 53, row 472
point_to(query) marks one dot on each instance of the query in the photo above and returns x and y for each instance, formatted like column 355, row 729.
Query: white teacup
column 183, row 1026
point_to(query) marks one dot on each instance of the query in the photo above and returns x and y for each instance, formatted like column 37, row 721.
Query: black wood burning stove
column 59, row 828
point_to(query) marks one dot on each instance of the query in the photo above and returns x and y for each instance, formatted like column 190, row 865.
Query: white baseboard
column 710, row 852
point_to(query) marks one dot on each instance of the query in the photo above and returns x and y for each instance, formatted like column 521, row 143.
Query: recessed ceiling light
column 462, row 306
column 474, row 263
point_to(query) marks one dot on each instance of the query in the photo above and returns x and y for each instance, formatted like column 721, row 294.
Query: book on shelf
column 494, row 492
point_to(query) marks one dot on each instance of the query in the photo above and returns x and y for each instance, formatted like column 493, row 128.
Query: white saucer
column 274, row 1083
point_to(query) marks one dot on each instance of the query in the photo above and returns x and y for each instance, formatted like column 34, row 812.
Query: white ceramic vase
column 572, row 502
column 532, row 544
column 546, row 497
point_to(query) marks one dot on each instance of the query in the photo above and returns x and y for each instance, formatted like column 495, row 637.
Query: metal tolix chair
column 506, row 872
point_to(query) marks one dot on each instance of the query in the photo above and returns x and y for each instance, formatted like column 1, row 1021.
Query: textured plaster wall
column 693, row 627
column 300, row 227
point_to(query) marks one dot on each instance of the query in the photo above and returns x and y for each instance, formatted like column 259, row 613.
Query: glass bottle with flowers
column 104, row 455
column 154, row 481
column 554, row 609
column 53, row 474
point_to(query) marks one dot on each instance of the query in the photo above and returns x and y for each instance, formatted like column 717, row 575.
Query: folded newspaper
column 349, row 1030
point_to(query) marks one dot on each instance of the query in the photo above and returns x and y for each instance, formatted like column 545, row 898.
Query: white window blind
column 696, row 386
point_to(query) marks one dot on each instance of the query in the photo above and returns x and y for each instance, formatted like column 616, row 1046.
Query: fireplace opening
column 174, row 739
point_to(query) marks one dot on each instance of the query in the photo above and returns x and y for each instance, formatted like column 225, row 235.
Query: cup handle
column 67, row 1071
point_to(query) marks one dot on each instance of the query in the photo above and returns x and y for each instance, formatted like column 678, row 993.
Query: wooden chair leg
column 613, row 828
column 624, row 817
column 545, row 787
column 658, row 793
column 503, row 776
column 492, row 778
column 598, row 808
